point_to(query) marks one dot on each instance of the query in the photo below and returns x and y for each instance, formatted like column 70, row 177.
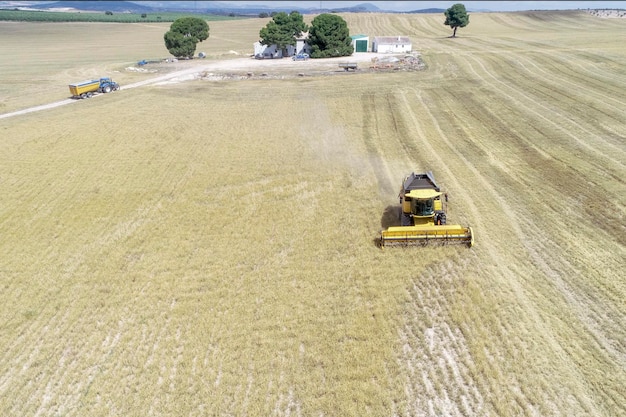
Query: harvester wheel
column 107, row 89
column 406, row 219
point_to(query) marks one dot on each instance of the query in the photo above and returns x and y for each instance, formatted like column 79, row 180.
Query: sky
column 403, row 6
column 469, row 5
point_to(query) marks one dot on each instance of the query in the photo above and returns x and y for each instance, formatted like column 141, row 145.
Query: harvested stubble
column 212, row 251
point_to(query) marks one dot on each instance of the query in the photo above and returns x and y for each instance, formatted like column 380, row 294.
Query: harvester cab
column 423, row 216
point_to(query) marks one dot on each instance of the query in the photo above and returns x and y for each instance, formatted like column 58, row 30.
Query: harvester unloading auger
column 423, row 216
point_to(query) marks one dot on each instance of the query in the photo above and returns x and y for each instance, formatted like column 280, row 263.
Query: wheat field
column 209, row 248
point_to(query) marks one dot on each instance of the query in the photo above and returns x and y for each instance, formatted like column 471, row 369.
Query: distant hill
column 244, row 8
column 216, row 7
column 98, row 6
column 427, row 11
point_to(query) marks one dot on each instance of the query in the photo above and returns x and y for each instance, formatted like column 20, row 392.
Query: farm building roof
column 391, row 40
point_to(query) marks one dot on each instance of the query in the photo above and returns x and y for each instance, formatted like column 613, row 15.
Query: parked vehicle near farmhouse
column 86, row 89
column 347, row 66
column 267, row 56
column 300, row 57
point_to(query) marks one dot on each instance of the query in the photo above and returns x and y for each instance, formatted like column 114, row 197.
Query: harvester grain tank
column 423, row 216
column 86, row 89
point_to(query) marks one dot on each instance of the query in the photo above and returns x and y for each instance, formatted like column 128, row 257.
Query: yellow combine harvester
column 423, row 216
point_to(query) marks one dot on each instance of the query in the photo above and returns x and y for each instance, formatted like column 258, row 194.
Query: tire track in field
column 601, row 68
column 525, row 21
column 585, row 309
column 602, row 321
column 563, row 179
column 479, row 224
column 25, row 354
column 520, row 53
column 615, row 212
column 600, row 94
column 435, row 355
column 53, row 324
column 538, row 21
column 442, row 165
column 418, row 27
column 431, row 28
column 582, row 86
column 577, row 95
column 614, row 153
column 502, row 87
column 595, row 64
column 64, row 366
column 588, row 70
column 487, row 242
column 516, row 149
column 440, row 361
column 371, row 138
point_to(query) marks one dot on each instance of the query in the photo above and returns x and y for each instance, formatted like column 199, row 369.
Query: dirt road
column 225, row 66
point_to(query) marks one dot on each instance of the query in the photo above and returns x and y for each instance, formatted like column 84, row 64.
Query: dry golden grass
column 41, row 59
column 207, row 248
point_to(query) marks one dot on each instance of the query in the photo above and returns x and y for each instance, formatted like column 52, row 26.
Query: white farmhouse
column 267, row 51
column 272, row 51
column 391, row 44
column 302, row 47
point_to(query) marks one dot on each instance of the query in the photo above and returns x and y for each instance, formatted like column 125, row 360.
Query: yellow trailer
column 86, row 89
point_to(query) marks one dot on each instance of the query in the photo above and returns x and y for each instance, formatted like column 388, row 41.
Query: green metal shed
column 360, row 43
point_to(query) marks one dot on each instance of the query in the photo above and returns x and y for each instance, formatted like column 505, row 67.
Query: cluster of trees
column 329, row 37
column 328, row 34
column 184, row 35
column 110, row 13
column 283, row 29
column 41, row 16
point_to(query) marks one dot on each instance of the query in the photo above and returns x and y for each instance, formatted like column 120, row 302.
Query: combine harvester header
column 423, row 216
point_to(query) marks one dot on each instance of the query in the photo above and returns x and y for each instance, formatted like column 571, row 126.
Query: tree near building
column 283, row 29
column 184, row 34
column 456, row 17
column 329, row 37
